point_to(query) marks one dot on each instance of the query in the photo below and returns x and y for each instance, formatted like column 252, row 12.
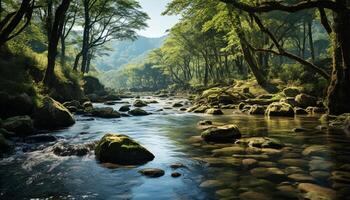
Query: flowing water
column 172, row 136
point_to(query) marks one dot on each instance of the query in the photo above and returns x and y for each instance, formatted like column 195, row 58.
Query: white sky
column 158, row 24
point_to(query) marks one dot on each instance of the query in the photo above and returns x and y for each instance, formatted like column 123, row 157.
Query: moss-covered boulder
column 222, row 134
column 291, row 91
column 52, row 114
column 139, row 103
column 257, row 110
column 300, row 111
column 22, row 125
column 214, row 111
column 121, row 149
column 177, row 105
column 138, row 112
column 305, row 100
column 14, row 105
column 279, row 109
column 201, row 109
column 124, row 108
column 4, row 145
column 105, row 112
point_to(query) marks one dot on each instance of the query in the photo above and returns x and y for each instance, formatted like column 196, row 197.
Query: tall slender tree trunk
column 63, row 51
column 86, row 36
column 311, row 42
column 55, row 33
column 338, row 94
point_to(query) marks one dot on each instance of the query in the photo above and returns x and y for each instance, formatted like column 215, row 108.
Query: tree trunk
column 311, row 42
column 86, row 36
column 55, row 33
column 338, row 94
column 63, row 51
column 76, row 61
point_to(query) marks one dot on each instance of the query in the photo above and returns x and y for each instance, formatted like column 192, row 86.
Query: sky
column 158, row 24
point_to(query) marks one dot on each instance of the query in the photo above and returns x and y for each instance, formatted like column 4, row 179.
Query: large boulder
column 14, row 105
column 22, row 125
column 257, row 110
column 121, row 149
column 291, row 91
column 226, row 133
column 124, row 108
column 52, row 114
column 139, row 103
column 4, row 145
column 305, row 100
column 280, row 109
column 138, row 112
column 105, row 112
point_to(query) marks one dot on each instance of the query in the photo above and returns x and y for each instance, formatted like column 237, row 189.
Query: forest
column 238, row 100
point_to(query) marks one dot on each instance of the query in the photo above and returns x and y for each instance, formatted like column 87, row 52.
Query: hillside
column 124, row 52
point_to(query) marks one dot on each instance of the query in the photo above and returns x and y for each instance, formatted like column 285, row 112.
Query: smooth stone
column 214, row 111
column 226, row 133
column 221, row 162
column 139, row 103
column 175, row 174
column 271, row 172
column 279, row 109
column 66, row 149
column 321, row 175
column 301, row 178
column 253, row 182
column 124, row 108
column 211, row 184
column 152, row 172
column 177, row 105
column 228, row 151
column 316, row 192
column 249, row 162
column 271, row 152
column 294, row 170
column 261, row 142
column 291, row 155
column 254, row 156
column 267, row 164
column 138, row 112
column 106, row 112
column 317, row 164
column 225, row 192
column 317, row 150
column 250, row 195
column 294, row 162
column 177, row 165
column 341, row 176
column 204, row 123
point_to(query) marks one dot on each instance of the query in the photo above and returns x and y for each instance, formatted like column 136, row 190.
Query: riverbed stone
column 226, row 133
column 294, row 170
column 177, row 165
column 249, row 162
column 105, row 112
column 341, row 177
column 121, row 149
column 268, row 172
column 22, row 125
column 204, row 123
column 317, row 150
column 221, row 161
column 139, row 103
column 228, row 192
column 320, row 175
column 177, row 105
column 291, row 91
column 316, row 192
column 280, row 109
column 211, row 184
column 300, row 111
column 52, row 114
column 267, row 164
column 67, row 149
column 271, row 152
column 251, row 195
column 124, row 108
column 201, row 109
column 152, row 172
column 214, row 111
column 175, row 174
column 318, row 164
column 294, row 162
column 302, row 178
column 138, row 112
column 228, row 151
column 261, row 142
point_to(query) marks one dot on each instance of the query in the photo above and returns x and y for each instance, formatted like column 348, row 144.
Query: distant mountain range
column 125, row 52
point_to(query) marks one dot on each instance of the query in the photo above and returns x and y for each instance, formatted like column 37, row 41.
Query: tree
column 15, row 21
column 338, row 95
column 54, row 32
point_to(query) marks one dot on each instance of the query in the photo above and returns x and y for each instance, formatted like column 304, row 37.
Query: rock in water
column 280, row 109
column 52, row 114
column 226, row 133
column 106, row 112
column 304, row 100
column 22, row 125
column 121, row 149
column 152, row 172
column 138, row 112
column 124, row 108
column 214, row 111
column 291, row 91
column 139, row 103
column 257, row 110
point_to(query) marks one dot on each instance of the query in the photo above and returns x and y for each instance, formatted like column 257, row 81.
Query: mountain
column 124, row 52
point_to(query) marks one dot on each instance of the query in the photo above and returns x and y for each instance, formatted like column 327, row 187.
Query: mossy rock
column 300, row 111
column 280, row 109
column 214, row 111
column 212, row 92
column 201, row 109
column 15, row 105
column 305, row 100
column 106, row 112
column 124, row 108
column 257, row 110
column 261, row 142
column 138, row 112
column 52, row 114
column 291, row 91
column 121, row 149
column 139, row 103
column 22, row 125
column 222, row 134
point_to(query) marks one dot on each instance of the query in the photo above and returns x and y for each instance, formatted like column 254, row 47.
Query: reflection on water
column 169, row 135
